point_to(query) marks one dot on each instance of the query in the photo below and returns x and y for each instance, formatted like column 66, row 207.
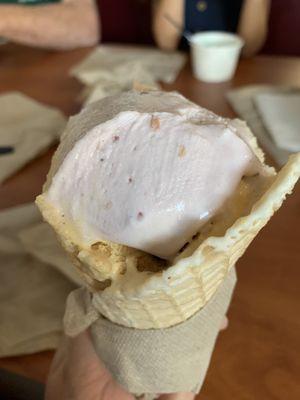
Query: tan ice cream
column 145, row 175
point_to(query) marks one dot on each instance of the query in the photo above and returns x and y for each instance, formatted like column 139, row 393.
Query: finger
column 55, row 379
column 61, row 353
column 224, row 324
column 178, row 396
column 87, row 375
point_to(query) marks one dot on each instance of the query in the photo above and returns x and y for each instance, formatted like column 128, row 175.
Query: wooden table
column 257, row 357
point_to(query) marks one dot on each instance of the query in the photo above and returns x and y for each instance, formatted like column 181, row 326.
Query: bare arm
column 66, row 25
column 166, row 36
column 253, row 25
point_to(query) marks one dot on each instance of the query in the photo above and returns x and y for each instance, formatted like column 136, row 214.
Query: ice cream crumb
column 155, row 123
column 123, row 269
column 150, row 263
column 116, row 138
column 129, row 180
column 101, row 247
column 101, row 285
column 181, row 151
column 95, row 246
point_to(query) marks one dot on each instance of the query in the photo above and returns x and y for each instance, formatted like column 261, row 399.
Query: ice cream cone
column 135, row 289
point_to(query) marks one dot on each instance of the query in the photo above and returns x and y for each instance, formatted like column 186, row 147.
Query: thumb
column 178, row 396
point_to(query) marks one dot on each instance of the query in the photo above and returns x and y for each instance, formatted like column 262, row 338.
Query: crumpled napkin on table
column 111, row 69
column 29, row 127
column 32, row 291
column 40, row 241
column 262, row 107
column 280, row 113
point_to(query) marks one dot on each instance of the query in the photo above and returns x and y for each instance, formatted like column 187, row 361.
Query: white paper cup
column 215, row 55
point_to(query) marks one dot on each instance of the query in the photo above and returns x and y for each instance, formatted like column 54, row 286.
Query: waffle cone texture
column 135, row 289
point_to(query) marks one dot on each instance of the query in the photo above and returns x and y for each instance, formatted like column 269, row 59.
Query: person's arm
column 166, row 36
column 66, row 25
column 253, row 25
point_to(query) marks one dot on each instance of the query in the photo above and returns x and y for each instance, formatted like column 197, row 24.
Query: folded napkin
column 29, row 127
column 40, row 241
column 280, row 113
column 111, row 69
column 32, row 293
column 259, row 116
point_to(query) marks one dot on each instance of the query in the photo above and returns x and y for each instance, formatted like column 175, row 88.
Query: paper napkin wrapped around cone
column 153, row 361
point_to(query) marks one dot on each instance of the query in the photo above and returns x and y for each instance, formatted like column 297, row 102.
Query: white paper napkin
column 280, row 113
column 111, row 69
column 41, row 242
column 32, row 293
column 29, row 127
column 242, row 101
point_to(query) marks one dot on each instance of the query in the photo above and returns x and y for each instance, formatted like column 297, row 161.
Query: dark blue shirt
column 212, row 15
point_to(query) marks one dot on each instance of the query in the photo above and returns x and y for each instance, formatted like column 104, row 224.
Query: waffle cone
column 135, row 289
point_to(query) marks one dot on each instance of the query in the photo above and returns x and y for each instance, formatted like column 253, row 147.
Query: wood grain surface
column 258, row 356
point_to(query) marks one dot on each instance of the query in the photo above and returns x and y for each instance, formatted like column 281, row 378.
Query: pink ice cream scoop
column 151, row 175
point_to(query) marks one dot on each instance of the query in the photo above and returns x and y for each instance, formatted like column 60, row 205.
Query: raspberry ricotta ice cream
column 150, row 179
